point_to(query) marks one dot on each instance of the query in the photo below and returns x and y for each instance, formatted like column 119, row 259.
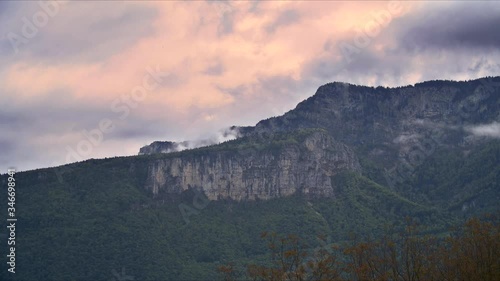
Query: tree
column 472, row 253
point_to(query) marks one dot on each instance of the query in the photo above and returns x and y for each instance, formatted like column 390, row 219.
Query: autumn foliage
column 471, row 253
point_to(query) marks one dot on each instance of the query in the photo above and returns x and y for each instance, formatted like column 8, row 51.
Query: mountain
column 390, row 132
column 350, row 159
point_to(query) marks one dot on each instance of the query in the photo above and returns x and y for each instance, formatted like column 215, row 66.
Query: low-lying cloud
column 221, row 136
column 486, row 130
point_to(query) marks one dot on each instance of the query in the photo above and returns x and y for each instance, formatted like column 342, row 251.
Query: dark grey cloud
column 285, row 18
column 280, row 84
column 106, row 36
column 39, row 133
column 215, row 69
column 78, row 31
column 9, row 119
column 226, row 25
column 7, row 7
column 58, row 112
column 6, row 145
column 236, row 92
column 137, row 127
column 225, row 13
column 438, row 41
column 459, row 25
column 173, row 80
column 11, row 14
column 255, row 7
column 364, row 66
column 267, row 96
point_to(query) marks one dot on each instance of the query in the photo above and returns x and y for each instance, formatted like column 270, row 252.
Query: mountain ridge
column 402, row 125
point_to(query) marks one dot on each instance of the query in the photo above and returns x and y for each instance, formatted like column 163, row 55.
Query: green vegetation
column 257, row 143
column 97, row 218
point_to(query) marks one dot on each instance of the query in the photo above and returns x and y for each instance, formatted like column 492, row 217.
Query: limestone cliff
column 248, row 174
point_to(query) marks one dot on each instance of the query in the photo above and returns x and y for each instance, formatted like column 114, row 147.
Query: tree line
column 468, row 253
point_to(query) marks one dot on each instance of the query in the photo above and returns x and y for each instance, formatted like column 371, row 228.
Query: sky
column 95, row 79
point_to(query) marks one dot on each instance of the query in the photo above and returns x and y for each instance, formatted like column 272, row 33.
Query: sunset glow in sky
column 175, row 70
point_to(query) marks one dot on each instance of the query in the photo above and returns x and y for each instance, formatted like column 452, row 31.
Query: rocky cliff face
column 304, row 167
column 387, row 124
column 357, row 111
column 158, row 147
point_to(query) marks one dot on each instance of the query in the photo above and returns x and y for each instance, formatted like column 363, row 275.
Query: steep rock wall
column 304, row 167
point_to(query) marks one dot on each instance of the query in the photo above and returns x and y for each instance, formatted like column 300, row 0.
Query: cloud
column 284, row 18
column 228, row 63
column 460, row 25
column 79, row 30
column 225, row 14
column 220, row 136
column 406, row 138
column 7, row 7
column 215, row 69
column 486, row 130
column 454, row 41
column 217, row 138
column 41, row 131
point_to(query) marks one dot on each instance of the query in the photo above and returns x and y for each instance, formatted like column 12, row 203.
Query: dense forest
column 99, row 219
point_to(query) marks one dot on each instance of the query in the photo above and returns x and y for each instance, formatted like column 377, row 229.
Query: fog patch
column 221, row 136
column 486, row 130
